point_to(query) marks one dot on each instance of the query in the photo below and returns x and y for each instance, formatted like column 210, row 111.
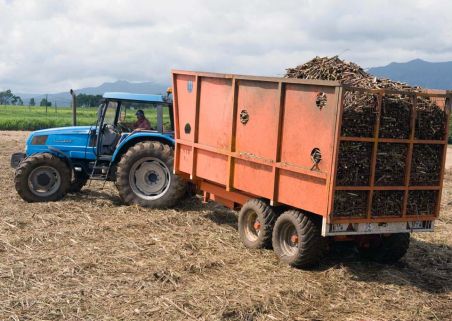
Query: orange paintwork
column 270, row 155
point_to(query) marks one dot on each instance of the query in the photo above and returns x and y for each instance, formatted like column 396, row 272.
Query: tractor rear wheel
column 256, row 220
column 144, row 176
column 42, row 178
column 297, row 239
column 386, row 248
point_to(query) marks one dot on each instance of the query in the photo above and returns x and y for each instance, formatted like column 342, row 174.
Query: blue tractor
column 140, row 162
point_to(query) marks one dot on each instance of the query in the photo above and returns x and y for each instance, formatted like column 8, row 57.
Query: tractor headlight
column 39, row 140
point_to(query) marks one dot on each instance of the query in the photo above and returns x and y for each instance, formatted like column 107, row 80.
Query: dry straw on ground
column 88, row 257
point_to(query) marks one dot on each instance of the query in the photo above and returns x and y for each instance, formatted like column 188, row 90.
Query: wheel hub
column 153, row 177
column 44, row 181
column 257, row 225
column 288, row 239
column 149, row 178
column 252, row 226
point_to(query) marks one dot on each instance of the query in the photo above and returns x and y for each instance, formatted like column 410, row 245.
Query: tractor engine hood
column 60, row 132
column 73, row 140
column 72, row 130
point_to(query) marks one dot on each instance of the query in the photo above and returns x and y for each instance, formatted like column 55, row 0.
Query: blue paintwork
column 73, row 141
column 169, row 138
column 134, row 97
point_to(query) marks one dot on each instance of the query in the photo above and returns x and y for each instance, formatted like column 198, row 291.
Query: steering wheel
column 110, row 128
column 123, row 127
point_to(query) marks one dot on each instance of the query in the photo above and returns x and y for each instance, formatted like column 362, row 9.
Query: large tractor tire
column 297, row 239
column 386, row 248
column 256, row 221
column 78, row 180
column 42, row 178
column 144, row 176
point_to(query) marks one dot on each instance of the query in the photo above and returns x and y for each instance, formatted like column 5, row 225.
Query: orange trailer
column 271, row 145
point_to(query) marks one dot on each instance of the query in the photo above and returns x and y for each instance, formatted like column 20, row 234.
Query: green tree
column 44, row 102
column 6, row 97
column 88, row 100
column 32, row 102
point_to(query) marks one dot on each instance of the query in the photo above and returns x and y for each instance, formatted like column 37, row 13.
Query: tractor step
column 105, row 158
column 98, row 178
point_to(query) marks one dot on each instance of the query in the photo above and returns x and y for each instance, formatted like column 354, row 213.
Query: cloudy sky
column 53, row 45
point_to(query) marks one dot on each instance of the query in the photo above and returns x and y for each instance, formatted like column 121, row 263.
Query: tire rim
column 252, row 226
column 288, row 239
column 149, row 178
column 44, row 181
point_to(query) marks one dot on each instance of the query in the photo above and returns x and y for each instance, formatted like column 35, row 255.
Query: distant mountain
column 433, row 75
column 64, row 98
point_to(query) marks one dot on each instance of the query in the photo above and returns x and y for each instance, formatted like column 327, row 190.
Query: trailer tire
column 388, row 249
column 79, row 180
column 255, row 222
column 297, row 239
column 144, row 176
column 42, row 178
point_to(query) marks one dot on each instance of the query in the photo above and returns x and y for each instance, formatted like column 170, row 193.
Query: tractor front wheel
column 42, row 178
column 144, row 176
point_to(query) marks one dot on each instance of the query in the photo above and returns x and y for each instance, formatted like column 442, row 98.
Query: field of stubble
column 88, row 257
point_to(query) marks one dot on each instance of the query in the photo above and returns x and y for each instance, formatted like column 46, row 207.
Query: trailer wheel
column 386, row 249
column 144, row 176
column 297, row 239
column 42, row 178
column 79, row 180
column 256, row 221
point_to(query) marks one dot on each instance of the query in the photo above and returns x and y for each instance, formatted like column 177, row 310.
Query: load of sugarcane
column 359, row 120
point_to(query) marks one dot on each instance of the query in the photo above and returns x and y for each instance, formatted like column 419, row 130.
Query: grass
column 34, row 118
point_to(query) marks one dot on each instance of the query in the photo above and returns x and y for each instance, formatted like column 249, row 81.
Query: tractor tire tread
column 28, row 164
column 146, row 149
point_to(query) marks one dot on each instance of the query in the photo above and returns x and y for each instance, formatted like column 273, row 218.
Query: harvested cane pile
column 359, row 120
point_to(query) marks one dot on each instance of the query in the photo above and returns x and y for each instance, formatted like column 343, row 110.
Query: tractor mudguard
column 139, row 137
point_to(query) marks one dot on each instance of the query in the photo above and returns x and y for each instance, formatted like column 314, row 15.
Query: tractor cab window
column 167, row 119
column 129, row 118
column 110, row 113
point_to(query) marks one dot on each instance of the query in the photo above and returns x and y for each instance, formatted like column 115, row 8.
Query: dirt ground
column 88, row 257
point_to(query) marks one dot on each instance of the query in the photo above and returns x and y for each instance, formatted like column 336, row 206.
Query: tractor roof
column 134, row 97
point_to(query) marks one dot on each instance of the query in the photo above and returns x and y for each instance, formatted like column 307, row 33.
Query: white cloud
column 53, row 45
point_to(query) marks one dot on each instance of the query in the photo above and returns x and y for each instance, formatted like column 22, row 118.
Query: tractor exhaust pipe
column 74, row 107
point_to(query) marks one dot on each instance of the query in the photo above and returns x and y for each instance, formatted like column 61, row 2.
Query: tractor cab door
column 104, row 137
column 165, row 119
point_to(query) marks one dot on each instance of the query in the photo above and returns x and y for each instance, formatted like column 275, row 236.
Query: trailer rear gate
column 241, row 137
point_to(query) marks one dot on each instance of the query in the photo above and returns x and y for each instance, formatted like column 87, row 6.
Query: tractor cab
column 119, row 117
